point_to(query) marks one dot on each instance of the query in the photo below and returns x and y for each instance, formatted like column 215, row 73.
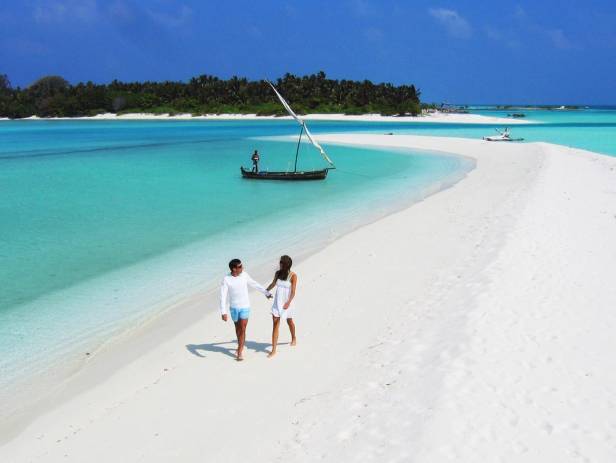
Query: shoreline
column 75, row 375
column 445, row 254
column 166, row 320
column 437, row 117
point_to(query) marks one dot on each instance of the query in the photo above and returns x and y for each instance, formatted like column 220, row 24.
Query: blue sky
column 541, row 51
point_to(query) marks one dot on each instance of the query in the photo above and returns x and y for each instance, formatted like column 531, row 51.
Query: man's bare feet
column 239, row 357
column 271, row 354
column 293, row 342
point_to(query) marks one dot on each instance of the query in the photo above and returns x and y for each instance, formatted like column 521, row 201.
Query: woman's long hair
column 285, row 267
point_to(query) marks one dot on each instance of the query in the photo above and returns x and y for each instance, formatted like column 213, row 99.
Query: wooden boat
column 291, row 175
column 295, row 174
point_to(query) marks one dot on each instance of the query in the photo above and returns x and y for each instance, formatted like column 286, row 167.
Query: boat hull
column 300, row 175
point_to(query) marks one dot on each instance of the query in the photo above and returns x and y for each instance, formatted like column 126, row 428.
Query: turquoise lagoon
column 104, row 224
column 590, row 129
column 107, row 223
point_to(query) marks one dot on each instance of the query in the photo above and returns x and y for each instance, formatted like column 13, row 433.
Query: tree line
column 53, row 96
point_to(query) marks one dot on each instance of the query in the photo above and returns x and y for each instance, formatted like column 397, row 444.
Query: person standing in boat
column 285, row 282
column 255, row 161
column 234, row 287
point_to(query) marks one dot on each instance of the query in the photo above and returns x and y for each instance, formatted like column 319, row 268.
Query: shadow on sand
column 227, row 348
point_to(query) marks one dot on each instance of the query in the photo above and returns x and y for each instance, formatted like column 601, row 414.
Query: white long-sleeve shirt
column 235, row 289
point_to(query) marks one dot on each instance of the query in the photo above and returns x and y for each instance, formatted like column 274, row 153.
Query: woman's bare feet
column 293, row 342
column 239, row 357
column 271, row 354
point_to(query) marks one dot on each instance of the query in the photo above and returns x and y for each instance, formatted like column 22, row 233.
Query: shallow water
column 106, row 223
column 589, row 129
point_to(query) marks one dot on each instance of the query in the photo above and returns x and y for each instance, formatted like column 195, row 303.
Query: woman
column 285, row 282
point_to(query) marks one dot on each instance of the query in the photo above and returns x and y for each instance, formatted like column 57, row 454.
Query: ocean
column 591, row 129
column 105, row 224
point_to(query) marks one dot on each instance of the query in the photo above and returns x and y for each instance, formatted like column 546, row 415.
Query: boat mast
column 299, row 140
column 304, row 129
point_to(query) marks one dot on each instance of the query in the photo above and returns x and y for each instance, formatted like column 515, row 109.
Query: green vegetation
column 53, row 96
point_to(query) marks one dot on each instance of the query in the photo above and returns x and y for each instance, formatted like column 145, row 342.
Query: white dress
column 283, row 291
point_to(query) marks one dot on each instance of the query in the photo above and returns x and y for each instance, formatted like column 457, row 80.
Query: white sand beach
column 474, row 326
column 437, row 117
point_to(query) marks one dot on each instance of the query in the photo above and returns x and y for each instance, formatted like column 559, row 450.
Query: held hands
column 224, row 317
column 269, row 295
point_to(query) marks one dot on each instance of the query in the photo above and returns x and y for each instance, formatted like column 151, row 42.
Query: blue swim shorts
column 236, row 314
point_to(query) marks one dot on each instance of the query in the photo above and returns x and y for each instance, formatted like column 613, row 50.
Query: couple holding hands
column 234, row 291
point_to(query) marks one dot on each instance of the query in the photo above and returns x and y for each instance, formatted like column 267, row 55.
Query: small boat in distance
column 502, row 136
column 294, row 174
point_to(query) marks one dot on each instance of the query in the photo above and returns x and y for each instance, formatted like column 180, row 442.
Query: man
column 234, row 287
column 255, row 161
